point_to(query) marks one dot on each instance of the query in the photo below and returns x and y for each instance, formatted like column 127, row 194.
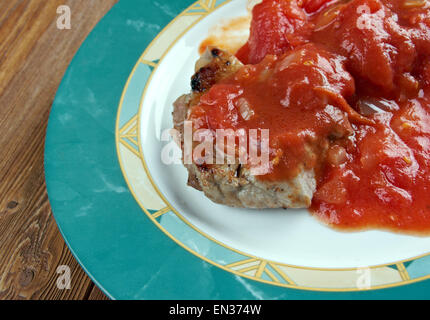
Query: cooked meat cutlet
column 233, row 184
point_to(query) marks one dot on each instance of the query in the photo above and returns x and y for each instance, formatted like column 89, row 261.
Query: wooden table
column 34, row 54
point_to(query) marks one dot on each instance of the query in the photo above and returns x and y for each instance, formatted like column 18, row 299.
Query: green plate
column 122, row 229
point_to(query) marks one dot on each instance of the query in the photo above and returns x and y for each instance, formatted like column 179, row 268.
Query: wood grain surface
column 34, row 55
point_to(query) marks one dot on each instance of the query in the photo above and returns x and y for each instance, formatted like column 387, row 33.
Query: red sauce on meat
column 344, row 88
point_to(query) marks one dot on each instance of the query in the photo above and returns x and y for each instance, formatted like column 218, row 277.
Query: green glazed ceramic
column 130, row 220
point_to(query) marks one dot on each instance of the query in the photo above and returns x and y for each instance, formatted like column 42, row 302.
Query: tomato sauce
column 344, row 88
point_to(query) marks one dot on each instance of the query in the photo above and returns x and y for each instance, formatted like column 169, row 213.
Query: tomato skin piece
column 277, row 26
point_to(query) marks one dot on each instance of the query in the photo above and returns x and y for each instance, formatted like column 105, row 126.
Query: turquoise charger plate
column 124, row 231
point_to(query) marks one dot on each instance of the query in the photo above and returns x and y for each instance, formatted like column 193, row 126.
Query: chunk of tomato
column 277, row 26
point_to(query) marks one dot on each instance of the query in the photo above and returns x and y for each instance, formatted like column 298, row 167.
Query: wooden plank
column 34, row 55
column 97, row 294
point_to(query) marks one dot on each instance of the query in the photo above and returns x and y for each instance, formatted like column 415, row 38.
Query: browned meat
column 233, row 184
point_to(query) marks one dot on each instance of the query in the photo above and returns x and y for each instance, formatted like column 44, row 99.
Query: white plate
column 291, row 237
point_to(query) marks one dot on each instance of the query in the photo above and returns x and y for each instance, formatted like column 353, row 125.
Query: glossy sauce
column 346, row 98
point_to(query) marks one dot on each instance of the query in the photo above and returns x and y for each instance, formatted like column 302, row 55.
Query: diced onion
column 264, row 75
column 244, row 108
column 290, row 59
column 336, row 155
column 328, row 17
column 410, row 4
column 369, row 106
